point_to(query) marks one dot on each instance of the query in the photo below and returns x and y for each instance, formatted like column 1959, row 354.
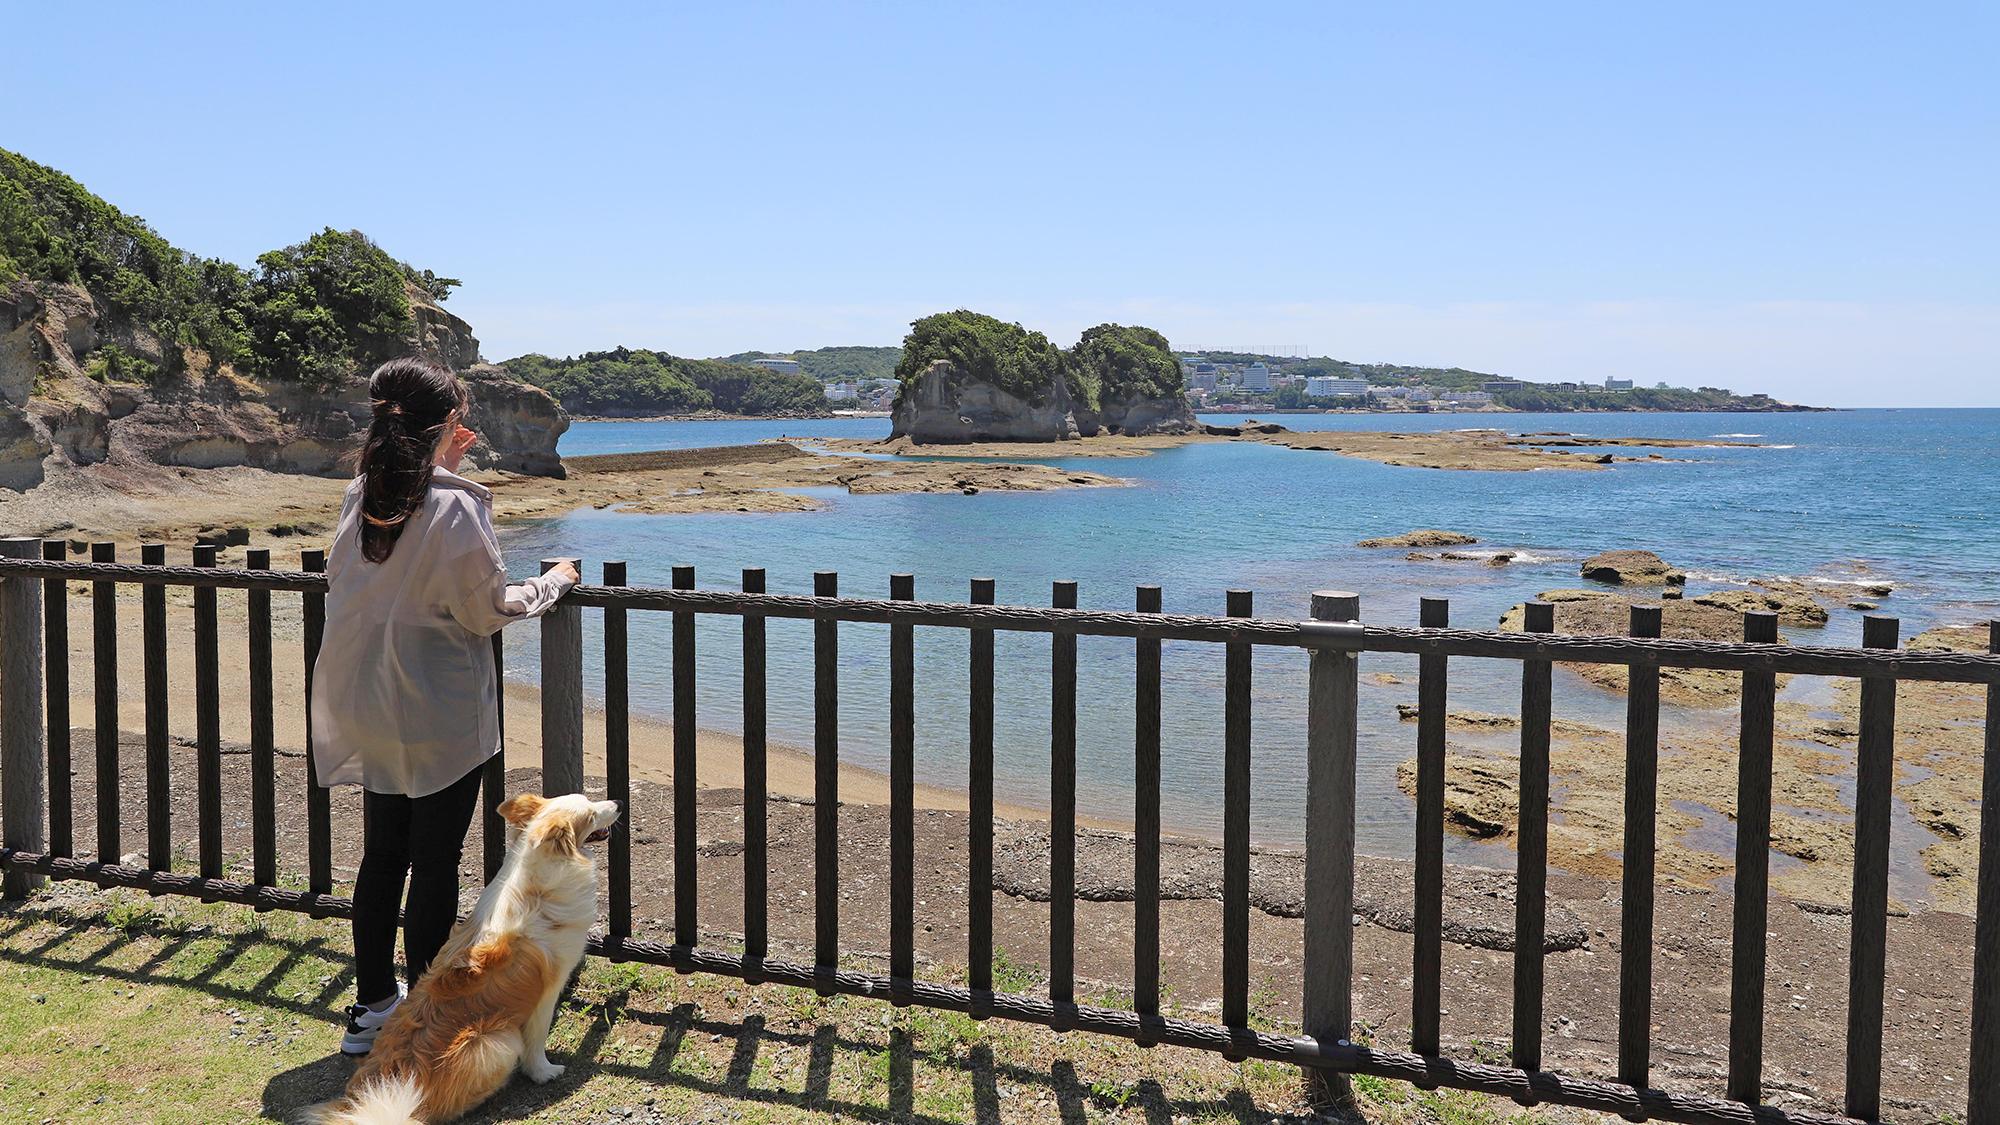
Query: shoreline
column 718, row 754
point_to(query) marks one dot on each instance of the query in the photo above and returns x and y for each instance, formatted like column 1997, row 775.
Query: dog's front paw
column 542, row 1071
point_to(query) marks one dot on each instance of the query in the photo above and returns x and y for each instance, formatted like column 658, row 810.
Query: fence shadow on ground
column 324, row 1078
column 94, row 950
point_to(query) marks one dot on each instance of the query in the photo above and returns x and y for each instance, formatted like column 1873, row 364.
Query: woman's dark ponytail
column 414, row 400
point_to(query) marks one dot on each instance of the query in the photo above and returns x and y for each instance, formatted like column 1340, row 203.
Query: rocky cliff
column 80, row 387
column 943, row 406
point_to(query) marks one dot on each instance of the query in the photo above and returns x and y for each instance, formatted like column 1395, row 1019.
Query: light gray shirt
column 405, row 697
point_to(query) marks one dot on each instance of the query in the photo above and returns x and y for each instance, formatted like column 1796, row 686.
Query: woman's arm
column 490, row 602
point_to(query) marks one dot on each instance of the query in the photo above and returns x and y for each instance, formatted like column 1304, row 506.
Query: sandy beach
column 719, row 754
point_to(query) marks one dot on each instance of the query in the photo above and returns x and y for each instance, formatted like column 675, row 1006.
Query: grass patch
column 135, row 1009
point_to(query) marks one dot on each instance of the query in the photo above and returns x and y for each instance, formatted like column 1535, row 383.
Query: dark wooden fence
column 34, row 773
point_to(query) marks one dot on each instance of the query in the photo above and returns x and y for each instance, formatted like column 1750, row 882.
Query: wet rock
column 1793, row 605
column 1631, row 568
column 1423, row 537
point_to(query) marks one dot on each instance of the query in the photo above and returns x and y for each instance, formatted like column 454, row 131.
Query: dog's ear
column 521, row 808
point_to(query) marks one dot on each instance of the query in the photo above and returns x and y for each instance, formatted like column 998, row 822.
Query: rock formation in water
column 1423, row 537
column 942, row 405
column 967, row 377
column 1631, row 568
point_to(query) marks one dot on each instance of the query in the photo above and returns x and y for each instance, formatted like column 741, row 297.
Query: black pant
column 422, row 837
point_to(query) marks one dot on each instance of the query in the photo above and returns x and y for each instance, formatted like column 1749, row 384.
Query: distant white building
column 1466, row 398
column 784, row 366
column 1202, row 380
column 1611, row 384
column 839, row 392
column 1323, row 386
column 1256, row 377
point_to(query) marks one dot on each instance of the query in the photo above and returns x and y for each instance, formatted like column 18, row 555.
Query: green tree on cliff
column 985, row 349
column 327, row 306
column 317, row 311
column 1127, row 364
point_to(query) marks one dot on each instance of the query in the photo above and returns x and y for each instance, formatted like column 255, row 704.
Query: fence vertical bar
column 618, row 755
column 207, row 722
column 1874, row 779
column 55, row 636
column 319, row 802
column 902, row 797
column 1146, row 820
column 1427, row 944
column 826, row 788
column 23, row 752
column 1332, row 720
column 979, row 828
column 493, row 775
column 104, row 695
column 1983, row 1075
column 562, row 694
column 1642, row 792
column 1532, row 847
column 159, row 772
column 263, row 749
column 1753, row 871
column 687, row 934
column 1062, row 810
column 1236, row 823
column 756, row 783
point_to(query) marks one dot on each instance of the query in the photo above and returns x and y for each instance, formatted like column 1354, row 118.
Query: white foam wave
column 1736, row 435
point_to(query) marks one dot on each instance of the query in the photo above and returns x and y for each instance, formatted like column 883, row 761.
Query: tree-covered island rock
column 968, row 377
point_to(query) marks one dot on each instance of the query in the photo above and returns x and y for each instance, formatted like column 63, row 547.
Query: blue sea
column 1902, row 496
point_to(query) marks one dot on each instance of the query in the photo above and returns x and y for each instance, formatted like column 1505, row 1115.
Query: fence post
column 562, row 694
column 1331, row 719
column 1983, row 1099
column 23, row 742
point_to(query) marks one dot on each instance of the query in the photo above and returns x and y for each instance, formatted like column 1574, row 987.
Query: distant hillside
column 836, row 364
column 634, row 382
column 1526, row 396
column 117, row 346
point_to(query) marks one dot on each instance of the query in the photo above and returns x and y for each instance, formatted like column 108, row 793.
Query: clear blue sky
column 1797, row 198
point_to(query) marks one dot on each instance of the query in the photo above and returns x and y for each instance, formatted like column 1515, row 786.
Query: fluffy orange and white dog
column 485, row 1004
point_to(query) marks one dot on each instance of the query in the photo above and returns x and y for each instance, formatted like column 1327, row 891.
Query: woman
column 405, row 699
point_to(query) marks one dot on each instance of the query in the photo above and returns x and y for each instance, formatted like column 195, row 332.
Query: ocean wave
column 1722, row 578
column 1781, row 447
column 1736, row 435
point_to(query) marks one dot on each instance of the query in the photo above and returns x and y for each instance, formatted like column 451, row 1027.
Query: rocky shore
column 1939, row 752
column 1489, row 450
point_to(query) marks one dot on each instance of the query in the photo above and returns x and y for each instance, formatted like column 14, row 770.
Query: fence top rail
column 1728, row 656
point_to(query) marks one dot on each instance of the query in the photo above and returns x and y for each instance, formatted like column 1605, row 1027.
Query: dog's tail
column 385, row 1101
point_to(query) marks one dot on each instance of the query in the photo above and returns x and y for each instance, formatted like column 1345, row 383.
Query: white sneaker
column 364, row 1022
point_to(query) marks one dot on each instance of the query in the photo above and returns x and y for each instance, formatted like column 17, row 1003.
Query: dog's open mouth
column 598, row 836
